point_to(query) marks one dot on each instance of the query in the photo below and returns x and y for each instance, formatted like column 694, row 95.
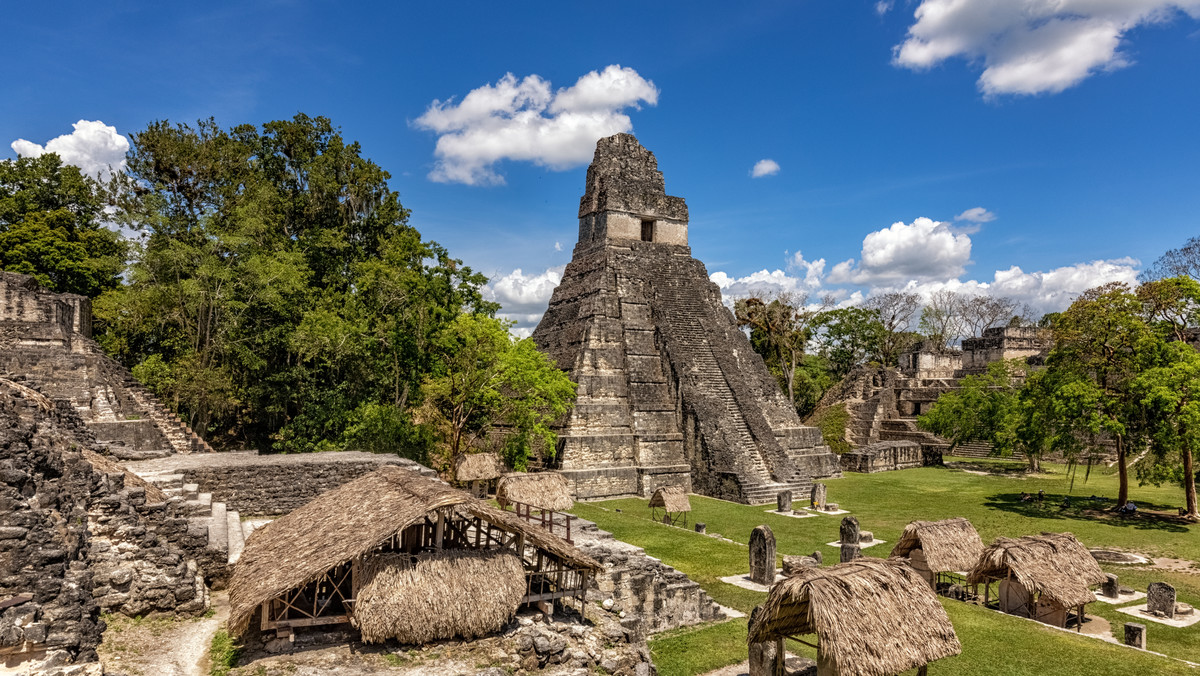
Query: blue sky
column 919, row 144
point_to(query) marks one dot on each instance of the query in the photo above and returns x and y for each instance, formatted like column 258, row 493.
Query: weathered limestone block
column 817, row 499
column 762, row 555
column 1160, row 599
column 794, row 564
column 783, row 501
column 1135, row 635
column 850, row 548
column 1111, row 586
column 866, row 536
column 701, row 527
column 766, row 659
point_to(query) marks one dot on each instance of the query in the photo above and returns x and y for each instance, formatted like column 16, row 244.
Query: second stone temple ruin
column 670, row 391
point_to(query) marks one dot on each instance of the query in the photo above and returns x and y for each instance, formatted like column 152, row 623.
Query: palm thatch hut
column 478, row 471
column 537, row 498
column 872, row 617
column 394, row 543
column 943, row 552
column 672, row 502
column 1041, row 576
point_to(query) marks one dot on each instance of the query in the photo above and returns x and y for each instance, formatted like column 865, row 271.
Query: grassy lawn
column 884, row 503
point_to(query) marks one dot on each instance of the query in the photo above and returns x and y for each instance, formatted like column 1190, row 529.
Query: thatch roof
column 543, row 490
column 352, row 520
column 477, row 467
column 872, row 617
column 1056, row 565
column 949, row 545
column 452, row 593
column 107, row 465
column 671, row 498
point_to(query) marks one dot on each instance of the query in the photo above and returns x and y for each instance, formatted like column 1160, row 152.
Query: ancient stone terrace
column 45, row 339
column 670, row 391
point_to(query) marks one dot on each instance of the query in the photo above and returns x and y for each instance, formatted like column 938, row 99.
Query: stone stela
column 762, row 556
column 670, row 390
column 850, row 539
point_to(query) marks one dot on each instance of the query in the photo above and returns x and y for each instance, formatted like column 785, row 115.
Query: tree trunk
column 1189, row 485
column 1122, row 473
column 1035, row 463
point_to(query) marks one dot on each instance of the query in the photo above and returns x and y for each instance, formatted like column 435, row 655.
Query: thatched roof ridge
column 416, row 604
column 351, row 520
column 107, row 465
column 949, row 545
column 543, row 490
column 1056, row 565
column 671, row 498
column 478, row 467
column 872, row 617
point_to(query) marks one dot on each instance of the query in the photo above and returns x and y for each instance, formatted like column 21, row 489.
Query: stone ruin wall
column 45, row 338
column 78, row 539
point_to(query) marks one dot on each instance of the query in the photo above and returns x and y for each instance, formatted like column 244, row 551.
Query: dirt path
column 162, row 646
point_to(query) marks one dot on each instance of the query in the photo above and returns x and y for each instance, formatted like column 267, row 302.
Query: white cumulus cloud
column 1031, row 46
column 976, row 215
column 883, row 7
column 525, row 120
column 922, row 250
column 764, row 167
column 523, row 297
column 96, row 148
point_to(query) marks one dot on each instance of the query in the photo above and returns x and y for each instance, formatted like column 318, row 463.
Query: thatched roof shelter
column 478, row 467
column 872, row 617
column 948, row 545
column 352, row 521
column 1055, row 565
column 416, row 603
column 542, row 490
column 671, row 498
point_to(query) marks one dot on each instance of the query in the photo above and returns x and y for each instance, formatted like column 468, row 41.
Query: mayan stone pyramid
column 670, row 391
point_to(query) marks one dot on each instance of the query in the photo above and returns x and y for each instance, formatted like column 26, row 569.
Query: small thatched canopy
column 542, row 490
column 477, row 467
column 416, row 604
column 1055, row 565
column 949, row 545
column 107, row 465
column 352, row 520
column 671, row 498
column 872, row 617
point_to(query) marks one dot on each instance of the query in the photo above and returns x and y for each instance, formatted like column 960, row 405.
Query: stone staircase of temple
column 685, row 311
column 226, row 531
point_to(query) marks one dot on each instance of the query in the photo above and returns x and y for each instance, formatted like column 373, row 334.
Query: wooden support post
column 440, row 531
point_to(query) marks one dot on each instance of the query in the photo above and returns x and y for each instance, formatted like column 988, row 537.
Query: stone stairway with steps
column 226, row 532
column 758, row 485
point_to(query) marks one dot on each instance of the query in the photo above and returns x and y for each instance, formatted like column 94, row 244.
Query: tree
column 985, row 407
column 895, row 310
column 979, row 313
column 780, row 330
column 942, row 317
column 1171, row 394
column 288, row 302
column 50, row 227
column 1101, row 344
column 1181, row 262
column 484, row 381
column 848, row 337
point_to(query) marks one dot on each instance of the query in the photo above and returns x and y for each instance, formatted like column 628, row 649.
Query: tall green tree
column 985, row 407
column 51, row 227
column 780, row 330
column 486, row 383
column 848, row 337
column 281, row 299
column 1171, row 394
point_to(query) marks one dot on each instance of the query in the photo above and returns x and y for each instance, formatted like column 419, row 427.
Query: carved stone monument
column 766, row 659
column 1160, row 598
column 762, row 556
column 1111, row 587
column 850, row 539
column 794, row 564
column 817, row 497
column 1135, row 635
column 783, row 502
column 637, row 323
column 701, row 527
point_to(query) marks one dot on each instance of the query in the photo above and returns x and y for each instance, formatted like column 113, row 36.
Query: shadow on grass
column 1095, row 509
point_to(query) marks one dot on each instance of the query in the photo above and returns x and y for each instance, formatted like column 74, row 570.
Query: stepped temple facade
column 670, row 391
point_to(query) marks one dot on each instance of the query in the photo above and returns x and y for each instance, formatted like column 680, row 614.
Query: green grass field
column 884, row 503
